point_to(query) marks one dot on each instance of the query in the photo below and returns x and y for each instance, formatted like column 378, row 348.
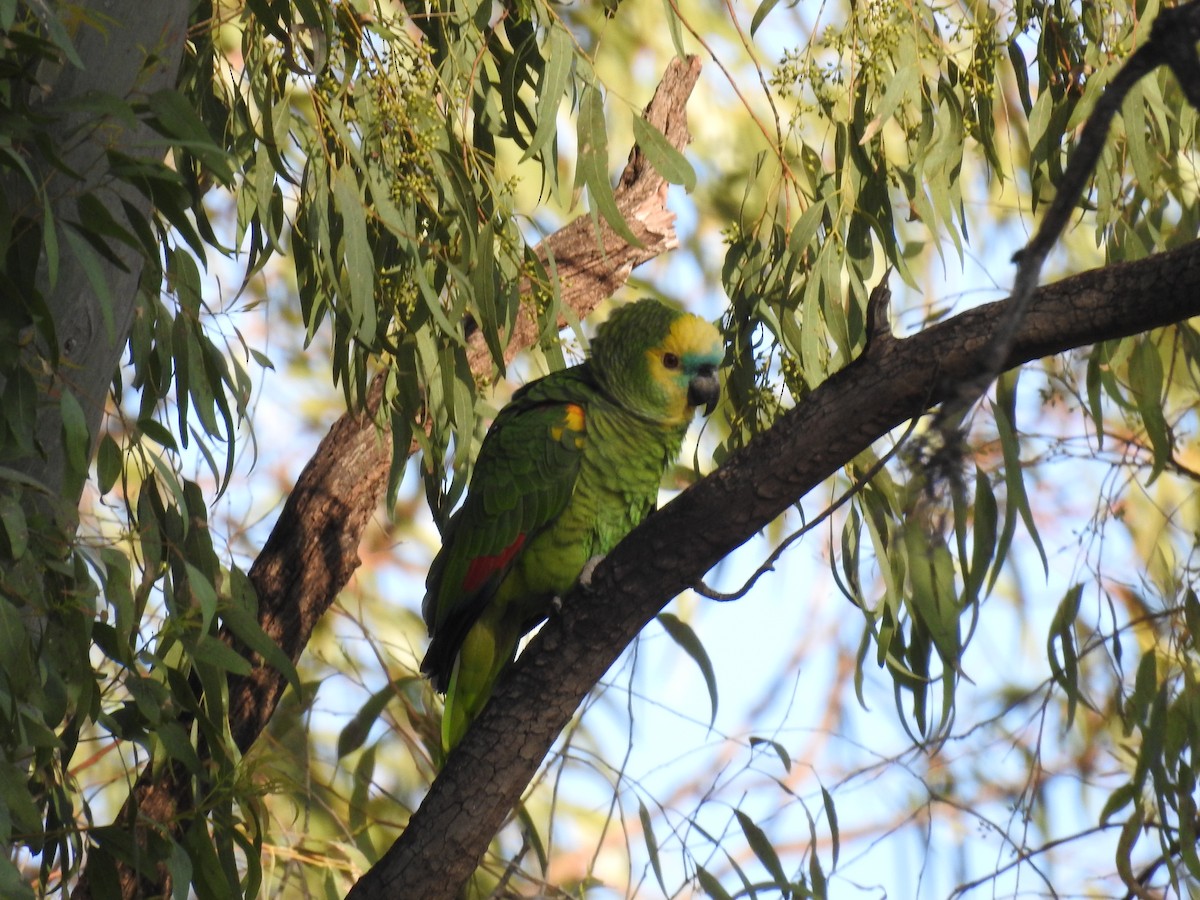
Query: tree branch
column 313, row 548
column 891, row 383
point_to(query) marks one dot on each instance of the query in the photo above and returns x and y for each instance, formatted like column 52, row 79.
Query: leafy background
column 984, row 681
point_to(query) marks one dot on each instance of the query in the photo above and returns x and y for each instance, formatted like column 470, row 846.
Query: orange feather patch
column 573, row 420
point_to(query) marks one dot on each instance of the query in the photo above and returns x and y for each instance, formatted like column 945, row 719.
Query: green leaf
column 77, row 443
column 12, row 521
column 1133, row 112
column 831, row 816
column 1062, row 632
column 817, row 875
column 683, row 635
column 89, row 261
column 357, row 257
column 806, row 227
column 355, row 732
column 903, row 83
column 779, row 749
column 118, row 594
column 1118, row 800
column 651, row 845
column 592, row 165
column 178, row 745
column 157, row 433
column 108, row 463
column 1146, row 379
column 176, row 117
column 216, row 652
column 483, row 287
column 762, row 847
column 560, row 56
column 710, row 885
column 240, row 616
column 1020, row 70
column 203, row 594
column 53, row 22
column 12, row 881
column 1130, row 832
column 1191, row 615
column 764, row 9
column 364, row 773
column 667, row 161
column 179, row 864
column 1145, row 688
column 1017, row 500
column 984, row 524
column 49, row 241
column 934, row 598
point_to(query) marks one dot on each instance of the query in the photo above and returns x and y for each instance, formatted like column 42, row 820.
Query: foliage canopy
column 273, row 186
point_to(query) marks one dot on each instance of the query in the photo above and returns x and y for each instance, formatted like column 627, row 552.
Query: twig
column 769, row 565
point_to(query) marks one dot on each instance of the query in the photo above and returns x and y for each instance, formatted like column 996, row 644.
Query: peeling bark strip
column 313, row 549
column 894, row 381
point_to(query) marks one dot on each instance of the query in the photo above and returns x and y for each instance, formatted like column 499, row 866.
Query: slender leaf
column 683, row 635
column 669, row 162
column 592, row 171
column 762, row 847
column 651, row 845
column 560, row 56
column 358, row 260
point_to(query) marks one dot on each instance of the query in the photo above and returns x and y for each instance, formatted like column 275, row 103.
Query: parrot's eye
column 670, row 361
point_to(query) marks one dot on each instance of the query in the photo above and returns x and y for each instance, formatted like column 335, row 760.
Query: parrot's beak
column 705, row 389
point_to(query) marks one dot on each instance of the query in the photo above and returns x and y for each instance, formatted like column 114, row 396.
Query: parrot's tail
column 483, row 655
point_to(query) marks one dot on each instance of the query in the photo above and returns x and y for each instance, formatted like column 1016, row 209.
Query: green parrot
column 567, row 469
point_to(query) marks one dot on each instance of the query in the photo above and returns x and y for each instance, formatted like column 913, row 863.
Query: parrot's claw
column 555, row 605
column 589, row 568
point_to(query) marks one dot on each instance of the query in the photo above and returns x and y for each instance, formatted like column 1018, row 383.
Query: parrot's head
column 659, row 362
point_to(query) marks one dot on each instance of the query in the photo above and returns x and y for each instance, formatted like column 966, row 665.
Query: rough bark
column 892, row 382
column 313, row 548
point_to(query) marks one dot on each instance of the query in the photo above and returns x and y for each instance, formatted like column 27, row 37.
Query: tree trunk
column 129, row 49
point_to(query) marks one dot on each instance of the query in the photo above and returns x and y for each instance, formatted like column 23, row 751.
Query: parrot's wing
column 523, row 479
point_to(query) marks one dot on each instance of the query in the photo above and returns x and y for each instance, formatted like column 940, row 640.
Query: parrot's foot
column 584, row 581
column 589, row 568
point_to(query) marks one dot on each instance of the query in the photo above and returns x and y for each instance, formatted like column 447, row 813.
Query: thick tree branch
column 313, row 548
column 891, row 383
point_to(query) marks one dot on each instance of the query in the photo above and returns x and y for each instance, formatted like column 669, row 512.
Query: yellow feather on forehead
column 691, row 334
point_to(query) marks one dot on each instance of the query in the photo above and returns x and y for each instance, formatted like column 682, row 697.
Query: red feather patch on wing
column 483, row 567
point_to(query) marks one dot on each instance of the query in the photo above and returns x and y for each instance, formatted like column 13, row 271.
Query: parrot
column 566, row 470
